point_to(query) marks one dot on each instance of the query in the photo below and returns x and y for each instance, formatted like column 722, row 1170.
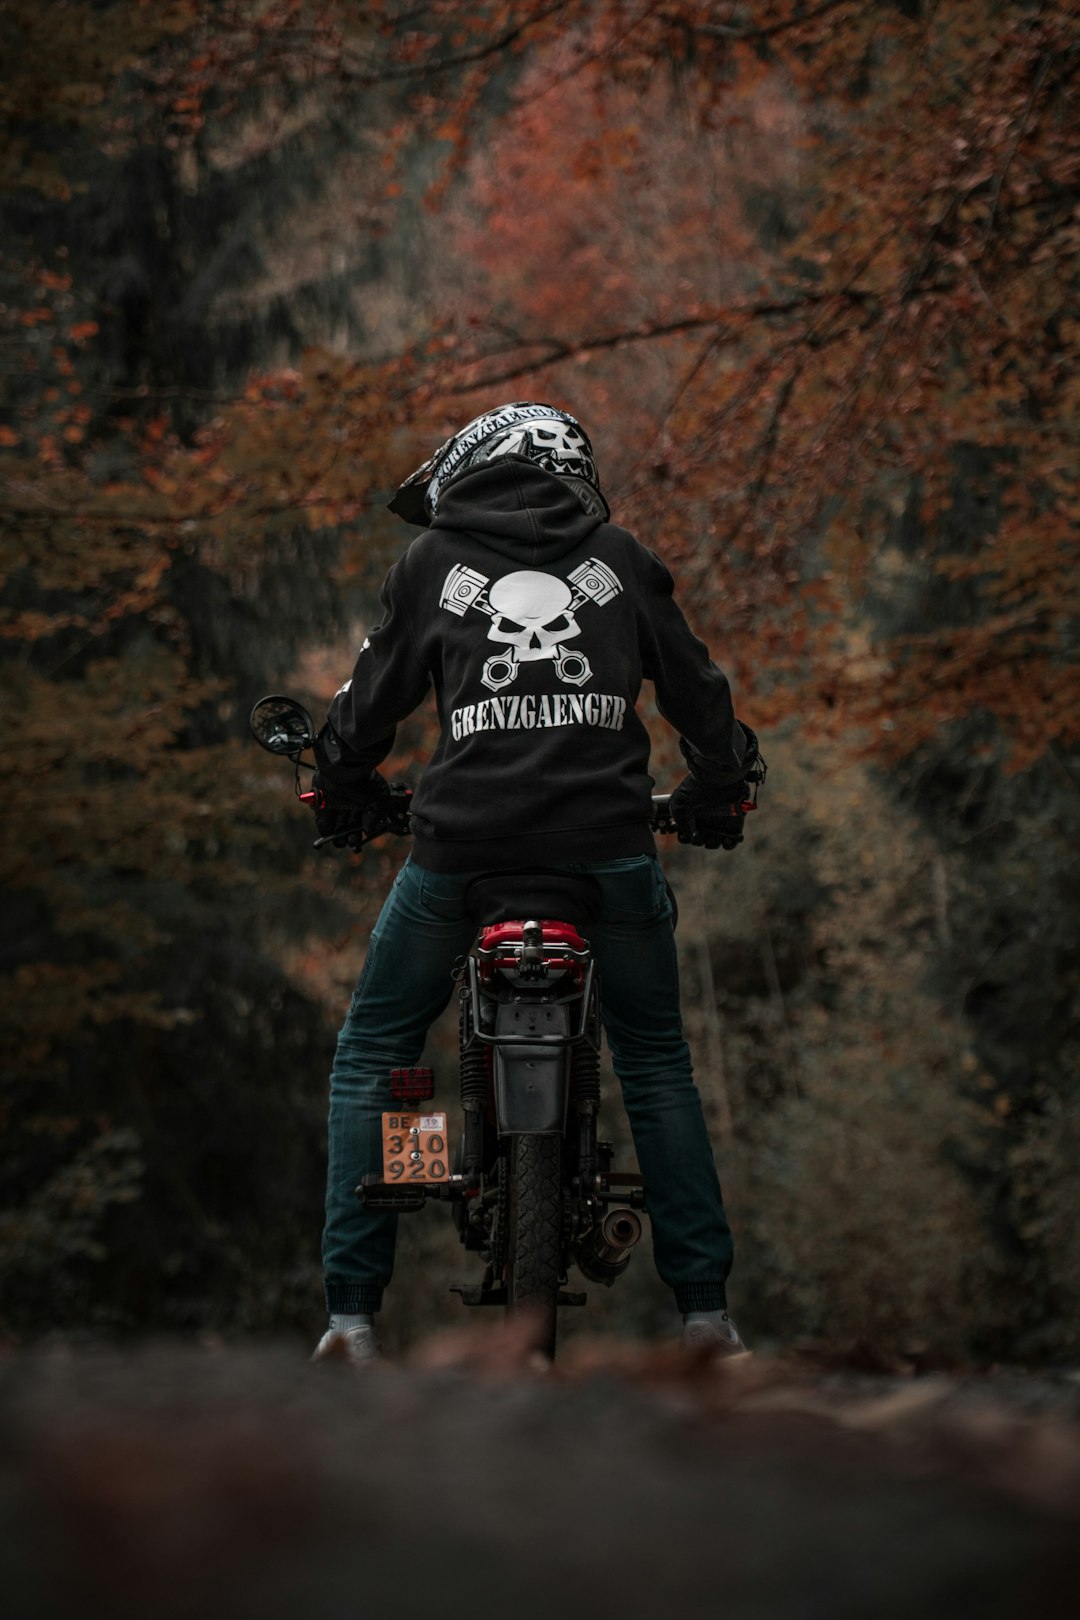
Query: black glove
column 708, row 813
column 346, row 811
column 710, row 816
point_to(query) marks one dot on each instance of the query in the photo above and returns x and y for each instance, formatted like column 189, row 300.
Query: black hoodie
column 536, row 623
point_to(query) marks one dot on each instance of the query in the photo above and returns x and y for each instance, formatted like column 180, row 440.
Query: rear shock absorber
column 474, row 1085
column 586, row 1074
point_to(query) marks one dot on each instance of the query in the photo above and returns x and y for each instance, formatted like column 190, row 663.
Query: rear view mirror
column 282, row 726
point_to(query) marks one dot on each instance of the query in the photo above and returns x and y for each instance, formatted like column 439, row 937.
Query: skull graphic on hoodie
column 533, row 617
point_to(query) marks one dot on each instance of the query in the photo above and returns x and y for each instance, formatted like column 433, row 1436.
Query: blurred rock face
column 631, row 1485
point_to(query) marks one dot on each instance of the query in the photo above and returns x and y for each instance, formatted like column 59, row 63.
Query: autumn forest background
column 810, row 275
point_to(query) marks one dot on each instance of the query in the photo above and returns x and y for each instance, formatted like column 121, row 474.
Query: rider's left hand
column 345, row 814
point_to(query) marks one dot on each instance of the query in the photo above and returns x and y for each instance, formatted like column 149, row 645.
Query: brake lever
column 395, row 820
column 354, row 840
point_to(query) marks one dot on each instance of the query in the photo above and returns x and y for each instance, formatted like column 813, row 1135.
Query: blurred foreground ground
column 629, row 1483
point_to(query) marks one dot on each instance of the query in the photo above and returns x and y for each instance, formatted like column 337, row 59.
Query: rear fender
column 532, row 1081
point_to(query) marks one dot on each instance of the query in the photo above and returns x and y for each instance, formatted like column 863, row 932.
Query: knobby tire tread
column 536, row 1231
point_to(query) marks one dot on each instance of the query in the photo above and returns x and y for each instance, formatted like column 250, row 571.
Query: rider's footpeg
column 374, row 1193
column 475, row 1294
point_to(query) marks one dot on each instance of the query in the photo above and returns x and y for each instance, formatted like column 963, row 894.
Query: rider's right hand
column 708, row 816
column 346, row 813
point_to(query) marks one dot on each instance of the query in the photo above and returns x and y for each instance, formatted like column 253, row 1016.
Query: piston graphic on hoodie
column 533, row 617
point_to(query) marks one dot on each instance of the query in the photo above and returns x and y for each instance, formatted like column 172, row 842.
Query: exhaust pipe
column 605, row 1253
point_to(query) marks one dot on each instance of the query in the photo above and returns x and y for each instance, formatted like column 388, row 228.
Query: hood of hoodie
column 516, row 508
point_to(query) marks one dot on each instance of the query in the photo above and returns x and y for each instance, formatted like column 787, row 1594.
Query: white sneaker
column 720, row 1336
column 358, row 1347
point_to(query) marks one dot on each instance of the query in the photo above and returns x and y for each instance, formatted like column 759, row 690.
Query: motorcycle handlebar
column 282, row 726
column 394, row 818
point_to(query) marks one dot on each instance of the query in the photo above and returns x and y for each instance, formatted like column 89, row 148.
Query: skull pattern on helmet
column 543, row 434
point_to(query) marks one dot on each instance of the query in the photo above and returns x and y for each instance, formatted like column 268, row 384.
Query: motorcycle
column 532, row 1190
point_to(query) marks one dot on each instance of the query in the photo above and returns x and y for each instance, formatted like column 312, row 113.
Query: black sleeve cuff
column 338, row 763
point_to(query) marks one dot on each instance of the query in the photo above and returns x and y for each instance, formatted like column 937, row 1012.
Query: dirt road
column 171, row 1482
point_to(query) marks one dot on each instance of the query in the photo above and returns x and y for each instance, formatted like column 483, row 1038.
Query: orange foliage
column 789, row 268
column 771, row 392
column 807, row 271
column 902, row 345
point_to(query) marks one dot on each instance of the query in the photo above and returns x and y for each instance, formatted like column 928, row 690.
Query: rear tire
column 534, row 1248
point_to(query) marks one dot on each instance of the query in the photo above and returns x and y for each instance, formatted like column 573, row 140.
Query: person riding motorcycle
column 535, row 619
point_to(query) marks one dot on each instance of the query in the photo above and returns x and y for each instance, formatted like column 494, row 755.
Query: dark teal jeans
column 406, row 983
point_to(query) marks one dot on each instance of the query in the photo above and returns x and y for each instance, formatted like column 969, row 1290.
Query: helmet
column 551, row 438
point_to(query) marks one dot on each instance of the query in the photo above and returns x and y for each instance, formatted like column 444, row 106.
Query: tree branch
column 725, row 321
column 481, row 53
column 732, row 32
column 1021, row 130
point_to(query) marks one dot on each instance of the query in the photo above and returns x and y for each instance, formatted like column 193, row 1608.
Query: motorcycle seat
column 534, row 892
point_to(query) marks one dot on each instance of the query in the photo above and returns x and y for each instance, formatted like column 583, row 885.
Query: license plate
column 415, row 1148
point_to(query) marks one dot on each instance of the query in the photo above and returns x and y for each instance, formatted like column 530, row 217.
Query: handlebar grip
column 660, row 821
